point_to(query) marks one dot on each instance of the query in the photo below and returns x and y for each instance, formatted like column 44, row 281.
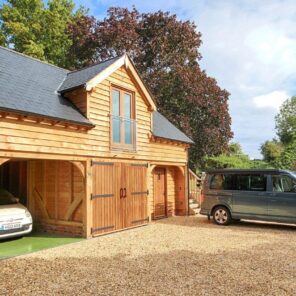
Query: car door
column 250, row 198
column 282, row 198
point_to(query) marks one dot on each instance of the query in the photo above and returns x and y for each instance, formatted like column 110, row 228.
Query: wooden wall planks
column 31, row 137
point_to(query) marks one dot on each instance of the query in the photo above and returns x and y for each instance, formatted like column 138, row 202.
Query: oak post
column 87, row 217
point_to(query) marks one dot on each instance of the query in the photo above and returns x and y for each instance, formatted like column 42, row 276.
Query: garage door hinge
column 93, row 196
column 94, row 230
column 141, row 220
column 101, row 163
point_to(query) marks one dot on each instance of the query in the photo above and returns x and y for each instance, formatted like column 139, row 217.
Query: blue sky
column 249, row 46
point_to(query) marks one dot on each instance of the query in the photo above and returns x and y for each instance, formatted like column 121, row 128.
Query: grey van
column 267, row 195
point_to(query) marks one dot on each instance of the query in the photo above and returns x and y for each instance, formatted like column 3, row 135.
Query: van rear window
column 223, row 182
column 238, row 182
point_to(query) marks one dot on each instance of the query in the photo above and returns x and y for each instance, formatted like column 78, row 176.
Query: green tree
column 235, row 149
column 39, row 30
column 286, row 121
column 58, row 16
column 287, row 159
column 22, row 23
column 2, row 37
column 224, row 161
column 234, row 159
column 272, row 150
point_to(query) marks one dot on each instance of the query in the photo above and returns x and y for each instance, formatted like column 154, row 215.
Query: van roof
column 247, row 171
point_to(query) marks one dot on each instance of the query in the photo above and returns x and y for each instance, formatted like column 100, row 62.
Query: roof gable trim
column 123, row 61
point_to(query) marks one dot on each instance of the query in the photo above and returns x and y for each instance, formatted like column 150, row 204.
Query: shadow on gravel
column 203, row 222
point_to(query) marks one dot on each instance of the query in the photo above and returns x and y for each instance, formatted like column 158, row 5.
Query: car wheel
column 222, row 216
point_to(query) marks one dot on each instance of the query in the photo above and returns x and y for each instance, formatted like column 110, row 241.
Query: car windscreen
column 6, row 198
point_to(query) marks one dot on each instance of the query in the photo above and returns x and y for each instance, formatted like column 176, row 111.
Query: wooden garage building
column 86, row 151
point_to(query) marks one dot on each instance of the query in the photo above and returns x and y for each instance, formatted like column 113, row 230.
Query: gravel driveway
column 176, row 256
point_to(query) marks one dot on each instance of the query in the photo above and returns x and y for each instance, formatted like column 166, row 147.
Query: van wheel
column 222, row 216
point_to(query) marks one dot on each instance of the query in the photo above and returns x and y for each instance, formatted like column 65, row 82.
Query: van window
column 222, row 182
column 251, row 182
column 283, row 183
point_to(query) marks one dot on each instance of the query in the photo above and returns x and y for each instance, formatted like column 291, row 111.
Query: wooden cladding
column 119, row 196
column 160, row 200
column 56, row 191
column 22, row 136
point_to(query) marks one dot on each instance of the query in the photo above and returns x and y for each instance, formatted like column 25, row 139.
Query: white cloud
column 271, row 100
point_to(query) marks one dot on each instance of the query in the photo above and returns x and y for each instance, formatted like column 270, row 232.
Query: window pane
column 258, row 183
column 217, row 182
column 128, row 132
column 229, row 182
column 223, row 181
column 115, row 103
column 243, row 182
column 251, row 182
column 116, row 129
column 127, row 105
column 283, row 183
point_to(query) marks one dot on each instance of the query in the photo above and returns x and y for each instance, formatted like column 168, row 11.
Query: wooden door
column 134, row 200
column 160, row 208
column 106, row 184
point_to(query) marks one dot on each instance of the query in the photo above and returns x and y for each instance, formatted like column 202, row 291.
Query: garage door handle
column 121, row 193
column 124, row 192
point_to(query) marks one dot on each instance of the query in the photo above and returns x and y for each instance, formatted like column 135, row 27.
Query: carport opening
column 52, row 190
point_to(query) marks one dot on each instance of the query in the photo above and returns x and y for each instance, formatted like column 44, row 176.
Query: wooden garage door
column 133, row 210
column 105, row 196
column 119, row 196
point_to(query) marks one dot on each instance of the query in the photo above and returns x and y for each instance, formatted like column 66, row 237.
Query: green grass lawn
column 32, row 243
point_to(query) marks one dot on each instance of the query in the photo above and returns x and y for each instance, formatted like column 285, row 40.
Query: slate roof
column 29, row 87
column 165, row 129
column 80, row 77
column 32, row 87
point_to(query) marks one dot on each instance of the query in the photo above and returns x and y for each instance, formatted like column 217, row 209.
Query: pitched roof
column 29, row 86
column 80, row 77
column 163, row 128
column 90, row 76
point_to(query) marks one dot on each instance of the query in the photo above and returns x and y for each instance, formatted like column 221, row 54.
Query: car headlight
column 28, row 215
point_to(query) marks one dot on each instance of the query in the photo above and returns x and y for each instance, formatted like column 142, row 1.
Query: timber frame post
column 150, row 196
column 186, row 187
column 87, row 215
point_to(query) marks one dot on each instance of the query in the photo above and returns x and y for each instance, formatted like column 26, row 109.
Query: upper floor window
column 123, row 119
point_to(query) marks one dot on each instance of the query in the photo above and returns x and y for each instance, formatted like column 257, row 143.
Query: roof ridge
column 29, row 57
column 87, row 67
